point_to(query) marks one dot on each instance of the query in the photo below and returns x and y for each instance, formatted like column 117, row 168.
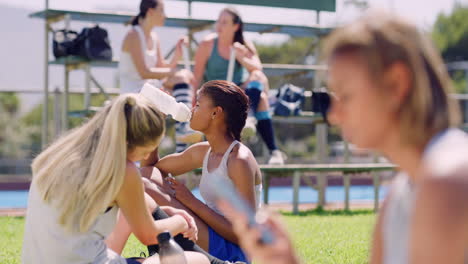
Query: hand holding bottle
column 169, row 251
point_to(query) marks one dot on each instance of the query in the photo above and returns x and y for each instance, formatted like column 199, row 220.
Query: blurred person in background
column 211, row 63
column 391, row 93
column 141, row 60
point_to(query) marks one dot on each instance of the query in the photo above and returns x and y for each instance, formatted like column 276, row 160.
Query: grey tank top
column 45, row 240
column 445, row 152
column 396, row 223
column 217, row 68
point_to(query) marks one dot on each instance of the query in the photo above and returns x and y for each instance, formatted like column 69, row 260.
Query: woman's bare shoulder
column 456, row 175
column 445, row 190
column 241, row 154
column 199, row 148
column 131, row 38
column 210, row 38
column 447, row 158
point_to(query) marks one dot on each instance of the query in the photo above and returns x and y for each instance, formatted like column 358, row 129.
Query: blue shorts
column 224, row 249
column 133, row 261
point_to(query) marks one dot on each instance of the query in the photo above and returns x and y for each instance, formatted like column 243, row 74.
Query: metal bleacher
column 189, row 23
column 51, row 16
column 193, row 25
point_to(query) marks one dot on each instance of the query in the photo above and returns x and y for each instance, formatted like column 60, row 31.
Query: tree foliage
column 450, row 34
column 293, row 51
column 13, row 137
column 33, row 119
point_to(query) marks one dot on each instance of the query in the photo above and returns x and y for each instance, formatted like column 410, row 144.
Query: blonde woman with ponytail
column 86, row 177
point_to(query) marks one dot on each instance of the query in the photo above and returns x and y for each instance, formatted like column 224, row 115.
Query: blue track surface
column 18, row 199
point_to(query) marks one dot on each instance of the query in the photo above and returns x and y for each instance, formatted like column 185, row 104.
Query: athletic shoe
column 277, row 158
column 250, row 128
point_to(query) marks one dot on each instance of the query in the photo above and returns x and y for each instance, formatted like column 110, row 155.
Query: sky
column 12, row 74
column 422, row 12
column 418, row 11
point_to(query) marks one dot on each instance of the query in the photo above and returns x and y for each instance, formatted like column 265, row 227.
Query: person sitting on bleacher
column 141, row 61
column 211, row 63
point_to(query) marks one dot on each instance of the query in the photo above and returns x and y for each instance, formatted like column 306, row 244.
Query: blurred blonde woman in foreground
column 83, row 179
column 391, row 94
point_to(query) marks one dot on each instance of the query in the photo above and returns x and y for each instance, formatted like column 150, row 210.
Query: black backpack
column 289, row 100
column 93, row 44
column 63, row 43
column 321, row 102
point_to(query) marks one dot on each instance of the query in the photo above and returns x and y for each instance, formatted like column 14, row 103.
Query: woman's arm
column 213, row 219
column 161, row 62
column 177, row 54
column 279, row 252
column 248, row 57
column 132, row 45
column 201, row 58
column 188, row 160
column 242, row 173
column 439, row 228
column 131, row 202
column 241, row 170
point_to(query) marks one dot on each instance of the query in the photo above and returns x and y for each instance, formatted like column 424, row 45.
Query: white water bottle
column 166, row 103
column 169, row 251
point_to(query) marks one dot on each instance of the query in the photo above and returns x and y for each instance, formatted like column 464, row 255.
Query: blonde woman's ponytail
column 108, row 164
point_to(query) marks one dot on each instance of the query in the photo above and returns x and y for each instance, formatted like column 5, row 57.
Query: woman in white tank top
column 220, row 113
column 141, row 59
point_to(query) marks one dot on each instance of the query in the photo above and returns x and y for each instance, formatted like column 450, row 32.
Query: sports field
column 319, row 236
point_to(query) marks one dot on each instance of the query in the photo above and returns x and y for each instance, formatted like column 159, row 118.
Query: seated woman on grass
column 86, row 177
column 220, row 113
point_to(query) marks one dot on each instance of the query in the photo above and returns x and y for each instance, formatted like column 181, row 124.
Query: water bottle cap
column 183, row 114
column 164, row 237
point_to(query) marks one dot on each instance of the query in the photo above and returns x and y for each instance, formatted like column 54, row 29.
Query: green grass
column 11, row 239
column 319, row 237
column 331, row 236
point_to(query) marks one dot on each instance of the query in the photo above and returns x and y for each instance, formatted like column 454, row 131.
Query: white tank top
column 447, row 151
column 45, row 240
column 130, row 79
column 221, row 171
